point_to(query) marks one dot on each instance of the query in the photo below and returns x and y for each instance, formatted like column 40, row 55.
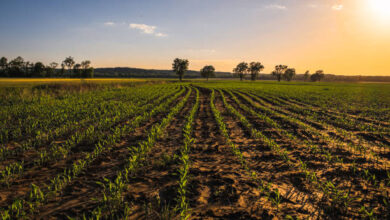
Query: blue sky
column 151, row 33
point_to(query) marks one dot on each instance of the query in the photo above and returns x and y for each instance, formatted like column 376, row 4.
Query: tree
column 279, row 71
column 241, row 70
column 38, row 70
column 85, row 64
column 69, row 62
column 317, row 76
column 51, row 69
column 16, row 67
column 62, row 68
column 320, row 74
column 207, row 71
column 180, row 66
column 85, row 68
column 77, row 70
column 3, row 66
column 53, row 65
column 28, row 69
column 255, row 68
column 88, row 73
column 306, row 76
column 289, row 74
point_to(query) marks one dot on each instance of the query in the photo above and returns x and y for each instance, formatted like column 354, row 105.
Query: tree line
column 68, row 68
column 281, row 72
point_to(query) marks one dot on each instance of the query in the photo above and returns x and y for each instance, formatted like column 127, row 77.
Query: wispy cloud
column 109, row 23
column 276, row 6
column 338, row 7
column 160, row 35
column 147, row 29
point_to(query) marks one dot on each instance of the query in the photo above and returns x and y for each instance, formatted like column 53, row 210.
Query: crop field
column 155, row 149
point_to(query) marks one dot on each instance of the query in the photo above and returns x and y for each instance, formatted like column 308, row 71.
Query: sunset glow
column 381, row 8
column 333, row 35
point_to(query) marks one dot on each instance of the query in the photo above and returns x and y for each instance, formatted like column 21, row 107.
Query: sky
column 344, row 37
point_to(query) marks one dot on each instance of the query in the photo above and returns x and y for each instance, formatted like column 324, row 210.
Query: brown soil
column 219, row 187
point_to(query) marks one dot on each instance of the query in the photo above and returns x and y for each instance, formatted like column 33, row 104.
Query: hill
column 153, row 73
column 149, row 73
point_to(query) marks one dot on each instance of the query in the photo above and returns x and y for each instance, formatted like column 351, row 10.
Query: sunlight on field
column 276, row 142
column 21, row 80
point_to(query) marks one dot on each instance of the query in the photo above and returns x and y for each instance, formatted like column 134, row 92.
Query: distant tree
column 317, row 76
column 62, row 68
column 53, row 65
column 89, row 73
column 85, row 65
column 180, row 66
column 255, row 68
column 69, row 62
column 207, row 71
column 3, row 66
column 240, row 70
column 39, row 70
column 279, row 71
column 313, row 77
column 28, row 69
column 321, row 74
column 51, row 69
column 306, row 76
column 77, row 70
column 289, row 74
column 17, row 67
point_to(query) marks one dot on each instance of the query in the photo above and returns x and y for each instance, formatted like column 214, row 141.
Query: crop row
column 104, row 108
column 341, row 119
column 325, row 153
column 39, row 195
column 340, row 200
column 183, row 170
column 331, row 141
column 92, row 134
column 37, row 118
column 112, row 205
column 273, row 195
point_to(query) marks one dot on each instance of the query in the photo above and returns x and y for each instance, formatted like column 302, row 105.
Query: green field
column 163, row 149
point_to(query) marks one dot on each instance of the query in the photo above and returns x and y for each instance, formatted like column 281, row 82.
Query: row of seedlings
column 38, row 195
column 112, row 205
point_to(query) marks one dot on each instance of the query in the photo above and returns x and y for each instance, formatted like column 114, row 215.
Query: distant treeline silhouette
column 69, row 68
column 253, row 69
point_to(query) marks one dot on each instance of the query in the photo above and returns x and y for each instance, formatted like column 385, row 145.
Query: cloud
column 276, row 6
column 160, row 35
column 147, row 29
column 338, row 7
column 109, row 23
